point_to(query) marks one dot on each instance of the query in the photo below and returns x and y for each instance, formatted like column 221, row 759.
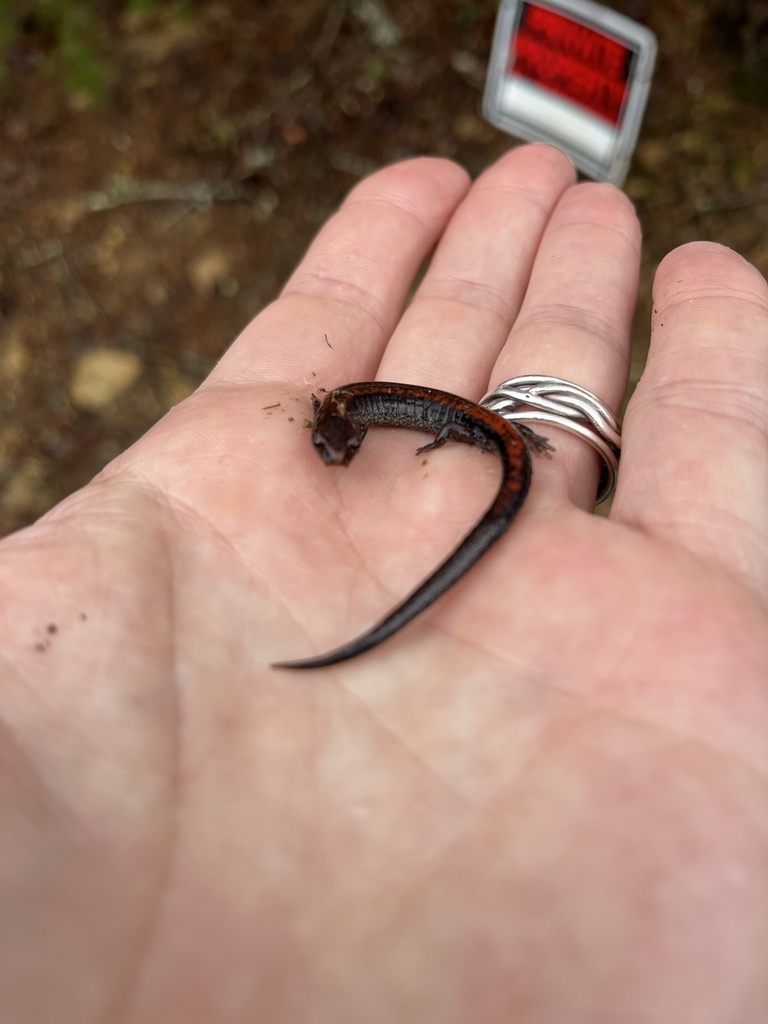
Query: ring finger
column 575, row 321
column 451, row 334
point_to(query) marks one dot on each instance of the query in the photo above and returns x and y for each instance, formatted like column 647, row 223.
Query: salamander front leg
column 457, row 432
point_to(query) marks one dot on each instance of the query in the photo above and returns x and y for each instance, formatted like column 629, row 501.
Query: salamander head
column 336, row 437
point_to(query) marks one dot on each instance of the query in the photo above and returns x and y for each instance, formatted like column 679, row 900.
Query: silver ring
column 563, row 404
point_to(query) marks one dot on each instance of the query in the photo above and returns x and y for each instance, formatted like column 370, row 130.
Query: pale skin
column 545, row 801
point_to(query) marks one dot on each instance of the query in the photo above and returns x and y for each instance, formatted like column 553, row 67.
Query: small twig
column 295, row 82
column 124, row 191
column 334, row 19
column 744, row 202
column 383, row 30
column 66, row 258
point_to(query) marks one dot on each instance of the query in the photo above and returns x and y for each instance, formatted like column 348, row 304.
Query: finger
column 338, row 309
column 575, row 321
column 452, row 332
column 695, row 461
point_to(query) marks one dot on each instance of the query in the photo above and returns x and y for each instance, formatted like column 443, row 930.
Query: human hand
column 545, row 801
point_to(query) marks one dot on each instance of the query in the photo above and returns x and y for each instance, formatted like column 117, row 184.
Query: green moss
column 78, row 33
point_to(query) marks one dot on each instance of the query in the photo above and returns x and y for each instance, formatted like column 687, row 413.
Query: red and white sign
column 572, row 73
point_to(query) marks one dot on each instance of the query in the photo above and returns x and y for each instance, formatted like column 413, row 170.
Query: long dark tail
column 475, row 544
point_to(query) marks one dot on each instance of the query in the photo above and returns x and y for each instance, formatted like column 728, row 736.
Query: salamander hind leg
column 539, row 445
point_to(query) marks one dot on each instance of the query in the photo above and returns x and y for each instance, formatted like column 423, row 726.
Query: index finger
column 337, row 311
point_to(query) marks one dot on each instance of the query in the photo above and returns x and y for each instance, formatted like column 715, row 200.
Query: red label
column 570, row 59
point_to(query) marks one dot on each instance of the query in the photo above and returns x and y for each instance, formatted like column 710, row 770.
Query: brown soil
column 159, row 223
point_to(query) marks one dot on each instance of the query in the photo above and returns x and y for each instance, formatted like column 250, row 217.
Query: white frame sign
column 572, row 73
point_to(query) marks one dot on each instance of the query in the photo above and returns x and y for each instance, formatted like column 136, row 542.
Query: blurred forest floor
column 139, row 234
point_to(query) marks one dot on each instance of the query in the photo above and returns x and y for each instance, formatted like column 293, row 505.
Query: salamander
column 341, row 422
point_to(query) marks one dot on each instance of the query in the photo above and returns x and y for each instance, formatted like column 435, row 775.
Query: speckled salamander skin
column 341, row 422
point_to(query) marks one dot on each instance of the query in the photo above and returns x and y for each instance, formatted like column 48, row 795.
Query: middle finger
column 451, row 334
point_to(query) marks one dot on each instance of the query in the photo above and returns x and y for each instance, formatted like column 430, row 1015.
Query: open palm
column 545, row 801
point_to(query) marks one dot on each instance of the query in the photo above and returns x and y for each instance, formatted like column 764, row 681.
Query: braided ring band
column 562, row 404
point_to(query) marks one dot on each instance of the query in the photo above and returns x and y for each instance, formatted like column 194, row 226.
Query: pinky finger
column 695, row 447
